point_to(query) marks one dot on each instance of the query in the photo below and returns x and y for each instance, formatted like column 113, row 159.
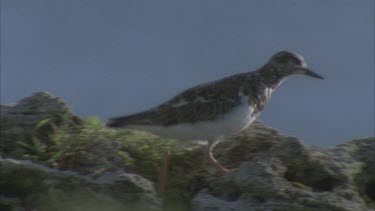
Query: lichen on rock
column 288, row 175
column 41, row 188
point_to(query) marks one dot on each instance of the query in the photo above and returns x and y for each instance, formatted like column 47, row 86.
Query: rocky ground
column 52, row 159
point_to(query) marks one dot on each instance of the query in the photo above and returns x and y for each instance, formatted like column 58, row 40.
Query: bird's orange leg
column 163, row 177
column 211, row 158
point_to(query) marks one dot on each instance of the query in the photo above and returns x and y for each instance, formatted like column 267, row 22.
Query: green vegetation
column 91, row 148
column 45, row 148
column 52, row 144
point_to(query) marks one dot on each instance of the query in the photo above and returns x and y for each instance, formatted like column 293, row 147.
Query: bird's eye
column 285, row 57
column 295, row 61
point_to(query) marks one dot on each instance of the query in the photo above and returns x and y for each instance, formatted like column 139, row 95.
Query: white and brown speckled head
column 287, row 63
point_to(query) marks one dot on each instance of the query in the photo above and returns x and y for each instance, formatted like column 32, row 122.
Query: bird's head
column 289, row 63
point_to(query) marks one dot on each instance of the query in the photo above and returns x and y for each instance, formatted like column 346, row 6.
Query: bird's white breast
column 230, row 123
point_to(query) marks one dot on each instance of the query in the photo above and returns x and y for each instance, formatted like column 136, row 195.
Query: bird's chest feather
column 258, row 98
column 234, row 121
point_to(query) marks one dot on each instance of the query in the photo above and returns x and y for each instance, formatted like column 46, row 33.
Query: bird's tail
column 116, row 122
column 123, row 121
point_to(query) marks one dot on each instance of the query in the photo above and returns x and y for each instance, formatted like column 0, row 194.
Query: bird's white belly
column 234, row 121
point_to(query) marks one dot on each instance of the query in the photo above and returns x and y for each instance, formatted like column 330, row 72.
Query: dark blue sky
column 107, row 58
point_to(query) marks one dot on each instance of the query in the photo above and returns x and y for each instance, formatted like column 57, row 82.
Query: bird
column 218, row 109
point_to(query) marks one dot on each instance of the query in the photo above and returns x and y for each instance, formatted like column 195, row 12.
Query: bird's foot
column 212, row 160
column 224, row 170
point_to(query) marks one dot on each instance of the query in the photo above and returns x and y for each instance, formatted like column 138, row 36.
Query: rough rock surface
column 18, row 121
column 40, row 188
column 96, row 178
column 103, row 169
column 276, row 172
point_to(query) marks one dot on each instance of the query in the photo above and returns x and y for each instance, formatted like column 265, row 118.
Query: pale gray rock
column 277, row 172
column 18, row 121
column 40, row 188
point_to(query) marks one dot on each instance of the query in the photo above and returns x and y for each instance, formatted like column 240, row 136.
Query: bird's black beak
column 308, row 72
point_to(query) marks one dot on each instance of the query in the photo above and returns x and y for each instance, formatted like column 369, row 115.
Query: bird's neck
column 271, row 76
column 259, row 86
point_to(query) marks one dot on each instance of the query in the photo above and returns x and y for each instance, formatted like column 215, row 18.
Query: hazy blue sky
column 107, row 58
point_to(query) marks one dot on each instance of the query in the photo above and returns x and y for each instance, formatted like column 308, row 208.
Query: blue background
column 108, row 58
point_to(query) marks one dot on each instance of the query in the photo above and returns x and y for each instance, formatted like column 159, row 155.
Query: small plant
column 34, row 148
column 93, row 122
column 67, row 146
column 48, row 141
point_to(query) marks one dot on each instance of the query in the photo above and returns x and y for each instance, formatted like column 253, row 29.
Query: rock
column 95, row 157
column 40, row 188
column 18, row 122
column 276, row 172
column 96, row 168
column 68, row 142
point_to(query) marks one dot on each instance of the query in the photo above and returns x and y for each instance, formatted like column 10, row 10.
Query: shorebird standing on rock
column 214, row 110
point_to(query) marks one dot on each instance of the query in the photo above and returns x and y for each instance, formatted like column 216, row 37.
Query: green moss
column 72, row 147
column 310, row 173
column 187, row 175
column 232, row 155
column 365, row 182
column 18, row 182
column 10, row 204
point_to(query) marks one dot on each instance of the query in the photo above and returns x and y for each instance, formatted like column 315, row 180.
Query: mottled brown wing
column 203, row 102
